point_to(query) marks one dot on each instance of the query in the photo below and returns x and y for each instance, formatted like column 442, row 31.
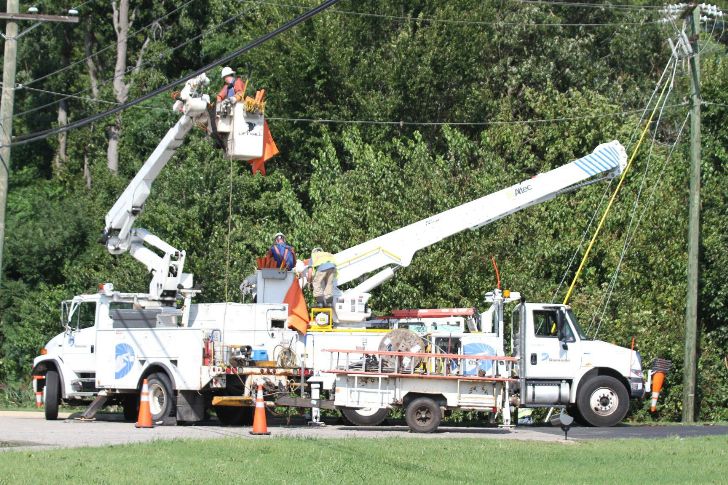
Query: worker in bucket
column 234, row 87
column 282, row 253
column 324, row 267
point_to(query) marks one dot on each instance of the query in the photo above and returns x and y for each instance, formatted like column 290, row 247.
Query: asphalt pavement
column 29, row 430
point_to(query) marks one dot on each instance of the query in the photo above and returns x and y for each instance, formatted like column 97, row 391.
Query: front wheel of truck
column 602, row 401
column 52, row 394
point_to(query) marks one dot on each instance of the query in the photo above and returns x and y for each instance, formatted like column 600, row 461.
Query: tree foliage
column 522, row 95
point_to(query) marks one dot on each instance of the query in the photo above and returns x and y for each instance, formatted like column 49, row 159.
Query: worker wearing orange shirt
column 233, row 85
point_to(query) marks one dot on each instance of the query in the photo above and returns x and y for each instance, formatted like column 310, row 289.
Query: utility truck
column 552, row 363
column 202, row 356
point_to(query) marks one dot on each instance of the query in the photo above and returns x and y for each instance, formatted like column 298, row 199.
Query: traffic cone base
column 145, row 415
column 260, row 426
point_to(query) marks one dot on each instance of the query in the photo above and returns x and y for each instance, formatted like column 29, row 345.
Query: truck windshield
column 579, row 330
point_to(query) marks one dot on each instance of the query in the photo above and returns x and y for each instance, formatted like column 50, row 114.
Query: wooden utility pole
column 8, row 98
column 691, row 309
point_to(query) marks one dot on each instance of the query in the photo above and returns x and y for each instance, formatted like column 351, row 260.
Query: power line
column 129, row 69
column 104, row 49
column 85, row 98
column 591, row 5
column 462, row 22
column 228, row 57
column 229, row 19
column 461, row 123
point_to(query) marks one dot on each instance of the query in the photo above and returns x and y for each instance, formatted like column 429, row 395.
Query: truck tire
column 364, row 416
column 130, row 406
column 52, row 394
column 602, row 401
column 234, row 416
column 423, row 415
column 161, row 396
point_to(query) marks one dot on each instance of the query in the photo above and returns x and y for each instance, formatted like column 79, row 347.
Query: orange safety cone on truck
column 145, row 415
column 660, row 368
column 259, row 423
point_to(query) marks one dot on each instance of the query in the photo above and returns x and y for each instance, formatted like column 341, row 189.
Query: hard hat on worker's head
column 279, row 234
column 316, row 250
column 226, row 71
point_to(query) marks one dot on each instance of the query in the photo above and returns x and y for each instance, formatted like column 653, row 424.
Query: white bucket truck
column 201, row 356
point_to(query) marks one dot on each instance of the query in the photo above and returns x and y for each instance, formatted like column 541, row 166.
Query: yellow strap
column 614, row 196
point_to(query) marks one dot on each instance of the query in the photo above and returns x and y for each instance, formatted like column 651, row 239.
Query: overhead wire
column 461, row 123
column 606, row 297
column 613, row 198
column 591, row 4
column 90, row 100
column 224, row 59
column 104, row 49
column 644, row 111
column 641, row 218
column 462, row 21
column 129, row 69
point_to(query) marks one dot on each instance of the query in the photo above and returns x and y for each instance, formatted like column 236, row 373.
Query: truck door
column 552, row 351
column 79, row 341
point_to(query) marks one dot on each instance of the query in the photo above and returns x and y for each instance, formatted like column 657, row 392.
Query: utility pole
column 8, row 95
column 691, row 309
column 6, row 116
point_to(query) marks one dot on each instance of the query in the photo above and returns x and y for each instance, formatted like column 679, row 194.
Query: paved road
column 28, row 430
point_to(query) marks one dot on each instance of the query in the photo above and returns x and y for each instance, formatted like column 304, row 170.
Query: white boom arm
column 397, row 248
column 118, row 235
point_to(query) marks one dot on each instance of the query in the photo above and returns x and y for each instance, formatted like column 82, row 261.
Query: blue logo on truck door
column 124, row 360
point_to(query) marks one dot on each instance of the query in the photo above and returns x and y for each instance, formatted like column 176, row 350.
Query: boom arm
column 118, row 235
column 397, row 248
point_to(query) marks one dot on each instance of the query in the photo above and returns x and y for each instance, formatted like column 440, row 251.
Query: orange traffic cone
column 660, row 368
column 259, row 423
column 145, row 415
column 38, row 392
column 658, row 378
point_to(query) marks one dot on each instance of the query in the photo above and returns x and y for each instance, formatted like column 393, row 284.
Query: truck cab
column 558, row 365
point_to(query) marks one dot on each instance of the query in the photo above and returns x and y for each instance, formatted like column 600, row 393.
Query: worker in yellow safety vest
column 324, row 267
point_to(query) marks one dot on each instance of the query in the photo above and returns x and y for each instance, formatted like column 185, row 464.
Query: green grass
column 386, row 460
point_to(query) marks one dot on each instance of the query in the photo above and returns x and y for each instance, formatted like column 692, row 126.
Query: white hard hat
column 279, row 234
column 226, row 71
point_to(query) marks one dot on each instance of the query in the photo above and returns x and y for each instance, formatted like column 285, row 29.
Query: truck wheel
column 130, row 406
column 234, row 416
column 364, row 416
column 52, row 394
column 423, row 415
column 602, row 401
column 161, row 396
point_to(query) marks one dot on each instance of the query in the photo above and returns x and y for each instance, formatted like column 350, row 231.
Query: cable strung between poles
column 614, row 196
column 225, row 59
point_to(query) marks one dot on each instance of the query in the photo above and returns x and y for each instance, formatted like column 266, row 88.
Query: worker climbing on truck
column 324, row 268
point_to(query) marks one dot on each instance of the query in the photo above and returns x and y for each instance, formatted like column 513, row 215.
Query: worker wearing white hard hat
column 234, row 87
column 282, row 253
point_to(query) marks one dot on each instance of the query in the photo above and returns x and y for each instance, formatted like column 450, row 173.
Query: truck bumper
column 637, row 388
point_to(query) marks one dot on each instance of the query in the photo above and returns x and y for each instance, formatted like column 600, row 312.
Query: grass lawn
column 386, row 460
